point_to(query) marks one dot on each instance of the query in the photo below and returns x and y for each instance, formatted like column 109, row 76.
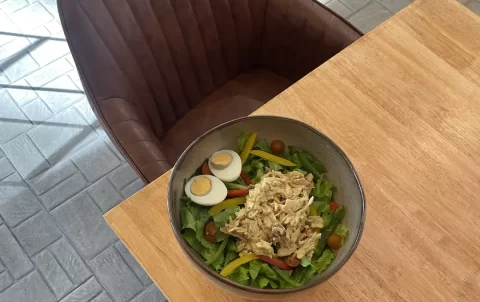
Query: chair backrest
column 146, row 63
column 163, row 56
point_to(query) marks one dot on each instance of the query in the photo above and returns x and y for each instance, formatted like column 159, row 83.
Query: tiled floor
column 59, row 172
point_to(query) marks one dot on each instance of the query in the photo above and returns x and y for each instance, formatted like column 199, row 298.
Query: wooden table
column 404, row 104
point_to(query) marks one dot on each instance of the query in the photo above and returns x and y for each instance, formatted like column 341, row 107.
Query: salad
column 263, row 215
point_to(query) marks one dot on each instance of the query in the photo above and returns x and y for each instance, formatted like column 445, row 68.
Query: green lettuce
column 241, row 140
column 262, row 145
column 223, row 217
column 240, row 275
column 188, row 221
column 254, row 268
column 264, row 281
column 324, row 261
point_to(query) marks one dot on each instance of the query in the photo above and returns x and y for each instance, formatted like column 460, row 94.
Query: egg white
column 217, row 194
column 232, row 171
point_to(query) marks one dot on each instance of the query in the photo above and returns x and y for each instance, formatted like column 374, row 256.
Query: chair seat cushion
column 236, row 98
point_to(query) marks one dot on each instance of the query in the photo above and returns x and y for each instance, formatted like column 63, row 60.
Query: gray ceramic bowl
column 292, row 132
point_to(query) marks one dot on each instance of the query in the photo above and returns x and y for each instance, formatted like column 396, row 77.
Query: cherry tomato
column 333, row 206
column 275, row 262
column 334, row 242
column 206, row 169
column 210, row 232
column 292, row 260
column 277, row 146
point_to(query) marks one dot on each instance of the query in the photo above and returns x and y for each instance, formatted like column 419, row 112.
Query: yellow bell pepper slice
column 227, row 203
column 313, row 212
column 248, row 147
column 280, row 160
column 232, row 266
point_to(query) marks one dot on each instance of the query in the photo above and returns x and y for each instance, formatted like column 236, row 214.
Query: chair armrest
column 132, row 136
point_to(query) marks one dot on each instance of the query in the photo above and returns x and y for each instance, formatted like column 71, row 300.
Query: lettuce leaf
column 286, row 276
column 274, row 166
column 231, row 252
column 262, row 145
column 324, row 261
column 240, row 275
column 303, row 274
column 342, row 231
column 241, row 140
column 264, row 281
column 188, row 221
column 267, row 271
column 254, row 268
column 223, row 217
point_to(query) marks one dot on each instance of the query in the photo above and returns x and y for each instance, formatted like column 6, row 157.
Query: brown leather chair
column 159, row 73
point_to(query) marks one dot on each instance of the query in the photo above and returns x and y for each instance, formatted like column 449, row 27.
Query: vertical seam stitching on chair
column 162, row 77
column 203, row 42
column 190, row 57
column 222, row 49
column 236, row 37
column 174, row 61
column 264, row 26
column 136, row 62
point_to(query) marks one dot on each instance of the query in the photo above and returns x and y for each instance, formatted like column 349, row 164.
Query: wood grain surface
column 404, row 104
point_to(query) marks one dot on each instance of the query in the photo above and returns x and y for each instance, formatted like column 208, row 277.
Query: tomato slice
column 275, row 262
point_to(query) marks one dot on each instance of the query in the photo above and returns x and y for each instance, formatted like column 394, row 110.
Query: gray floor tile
column 17, row 202
column 369, row 17
column 53, row 273
column 12, row 120
column 103, row 297
column 340, row 8
column 5, row 280
column 6, row 168
column 31, row 16
column 104, row 195
column 37, row 111
column 37, row 232
column 151, row 294
column 24, row 155
column 394, row 5
column 59, row 100
column 115, row 275
column 63, row 191
column 59, row 135
column 132, row 188
column 474, row 6
column 22, row 95
column 52, row 176
column 84, row 292
column 12, row 255
column 49, row 72
column 122, row 176
column 21, row 67
column 30, row 289
column 11, row 6
column 49, row 51
column 95, row 159
column 70, row 261
column 134, row 265
column 355, row 5
column 83, row 223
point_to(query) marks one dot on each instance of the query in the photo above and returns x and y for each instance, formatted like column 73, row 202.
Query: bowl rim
column 192, row 254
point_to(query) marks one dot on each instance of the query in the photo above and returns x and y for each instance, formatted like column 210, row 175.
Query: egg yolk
column 201, row 186
column 221, row 160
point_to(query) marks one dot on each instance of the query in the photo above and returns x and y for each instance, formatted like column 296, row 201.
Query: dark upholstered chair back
column 146, row 64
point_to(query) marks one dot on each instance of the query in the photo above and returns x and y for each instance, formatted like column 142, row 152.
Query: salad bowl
column 348, row 193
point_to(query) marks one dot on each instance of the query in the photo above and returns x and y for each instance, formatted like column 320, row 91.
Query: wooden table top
column 404, row 104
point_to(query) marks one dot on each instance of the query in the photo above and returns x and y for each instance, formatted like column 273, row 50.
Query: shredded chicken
column 276, row 213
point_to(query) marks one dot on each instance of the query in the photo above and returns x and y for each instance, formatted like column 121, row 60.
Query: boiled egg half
column 226, row 165
column 206, row 190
